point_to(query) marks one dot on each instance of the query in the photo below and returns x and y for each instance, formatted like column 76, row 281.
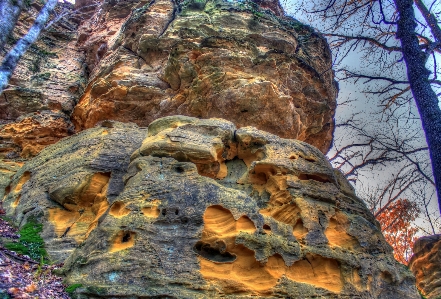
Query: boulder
column 243, row 61
column 197, row 208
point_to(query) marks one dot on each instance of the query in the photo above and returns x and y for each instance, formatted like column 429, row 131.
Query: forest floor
column 21, row 277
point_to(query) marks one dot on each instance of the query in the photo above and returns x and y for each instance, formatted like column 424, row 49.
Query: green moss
column 30, row 243
column 195, row 4
column 34, row 66
column 4, row 295
column 41, row 77
column 96, row 290
column 71, row 289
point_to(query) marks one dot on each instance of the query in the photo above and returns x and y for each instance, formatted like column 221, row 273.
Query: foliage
column 30, row 243
column 396, row 224
column 71, row 289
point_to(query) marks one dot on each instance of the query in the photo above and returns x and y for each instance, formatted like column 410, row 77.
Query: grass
column 71, row 289
column 30, row 243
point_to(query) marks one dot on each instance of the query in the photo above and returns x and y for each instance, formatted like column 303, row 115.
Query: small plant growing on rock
column 71, row 289
column 29, row 243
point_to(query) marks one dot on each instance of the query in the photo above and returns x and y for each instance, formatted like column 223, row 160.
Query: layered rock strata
column 426, row 265
column 200, row 209
column 137, row 61
column 35, row 107
column 239, row 60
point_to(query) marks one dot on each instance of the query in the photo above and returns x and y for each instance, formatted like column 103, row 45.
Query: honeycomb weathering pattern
column 426, row 265
column 196, row 208
column 137, row 61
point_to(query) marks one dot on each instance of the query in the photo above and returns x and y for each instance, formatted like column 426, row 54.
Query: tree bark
column 11, row 59
column 430, row 19
column 425, row 98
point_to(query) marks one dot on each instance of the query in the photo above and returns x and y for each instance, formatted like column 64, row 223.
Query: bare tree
column 9, row 13
column 11, row 59
column 395, row 47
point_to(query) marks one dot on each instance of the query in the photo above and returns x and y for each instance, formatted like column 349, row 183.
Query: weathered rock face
column 200, row 209
column 137, row 61
column 229, row 59
column 28, row 135
column 426, row 265
column 35, row 108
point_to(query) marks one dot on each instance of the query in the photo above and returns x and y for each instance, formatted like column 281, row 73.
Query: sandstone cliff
column 196, row 208
column 240, row 60
column 35, row 108
column 426, row 265
column 138, row 205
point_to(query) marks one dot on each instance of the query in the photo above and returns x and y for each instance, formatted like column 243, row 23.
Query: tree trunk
column 11, row 59
column 425, row 98
column 9, row 12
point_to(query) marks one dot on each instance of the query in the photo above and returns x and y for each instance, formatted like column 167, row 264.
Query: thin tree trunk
column 430, row 20
column 425, row 98
column 11, row 59
column 9, row 12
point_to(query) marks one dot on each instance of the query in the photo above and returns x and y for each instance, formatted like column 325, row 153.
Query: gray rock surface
column 199, row 209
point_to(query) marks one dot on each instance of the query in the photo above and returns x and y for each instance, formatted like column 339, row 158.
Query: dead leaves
column 22, row 277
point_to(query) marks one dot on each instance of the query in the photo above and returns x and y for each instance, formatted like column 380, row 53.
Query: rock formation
column 240, row 60
column 196, row 208
column 35, row 108
column 426, row 265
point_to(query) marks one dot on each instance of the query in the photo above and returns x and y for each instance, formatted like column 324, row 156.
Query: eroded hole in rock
column 123, row 240
column 306, row 177
column 258, row 178
column 176, row 212
column 387, row 277
column 95, row 190
column 164, row 212
column 7, row 191
column 179, row 169
column 152, row 212
column 280, row 198
column 248, row 156
column 107, row 124
column 81, row 212
column 287, row 213
column 266, row 228
column 16, row 201
column 24, row 178
column 267, row 169
column 214, row 253
column 212, row 170
column 126, row 237
column 119, row 209
column 299, row 231
column 336, row 232
column 318, row 271
column 309, row 159
column 181, row 157
column 356, row 279
column 220, row 221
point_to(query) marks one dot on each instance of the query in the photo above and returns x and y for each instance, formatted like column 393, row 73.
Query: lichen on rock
column 196, row 208
column 242, row 61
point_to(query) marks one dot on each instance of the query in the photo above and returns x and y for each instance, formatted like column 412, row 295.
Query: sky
column 367, row 107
